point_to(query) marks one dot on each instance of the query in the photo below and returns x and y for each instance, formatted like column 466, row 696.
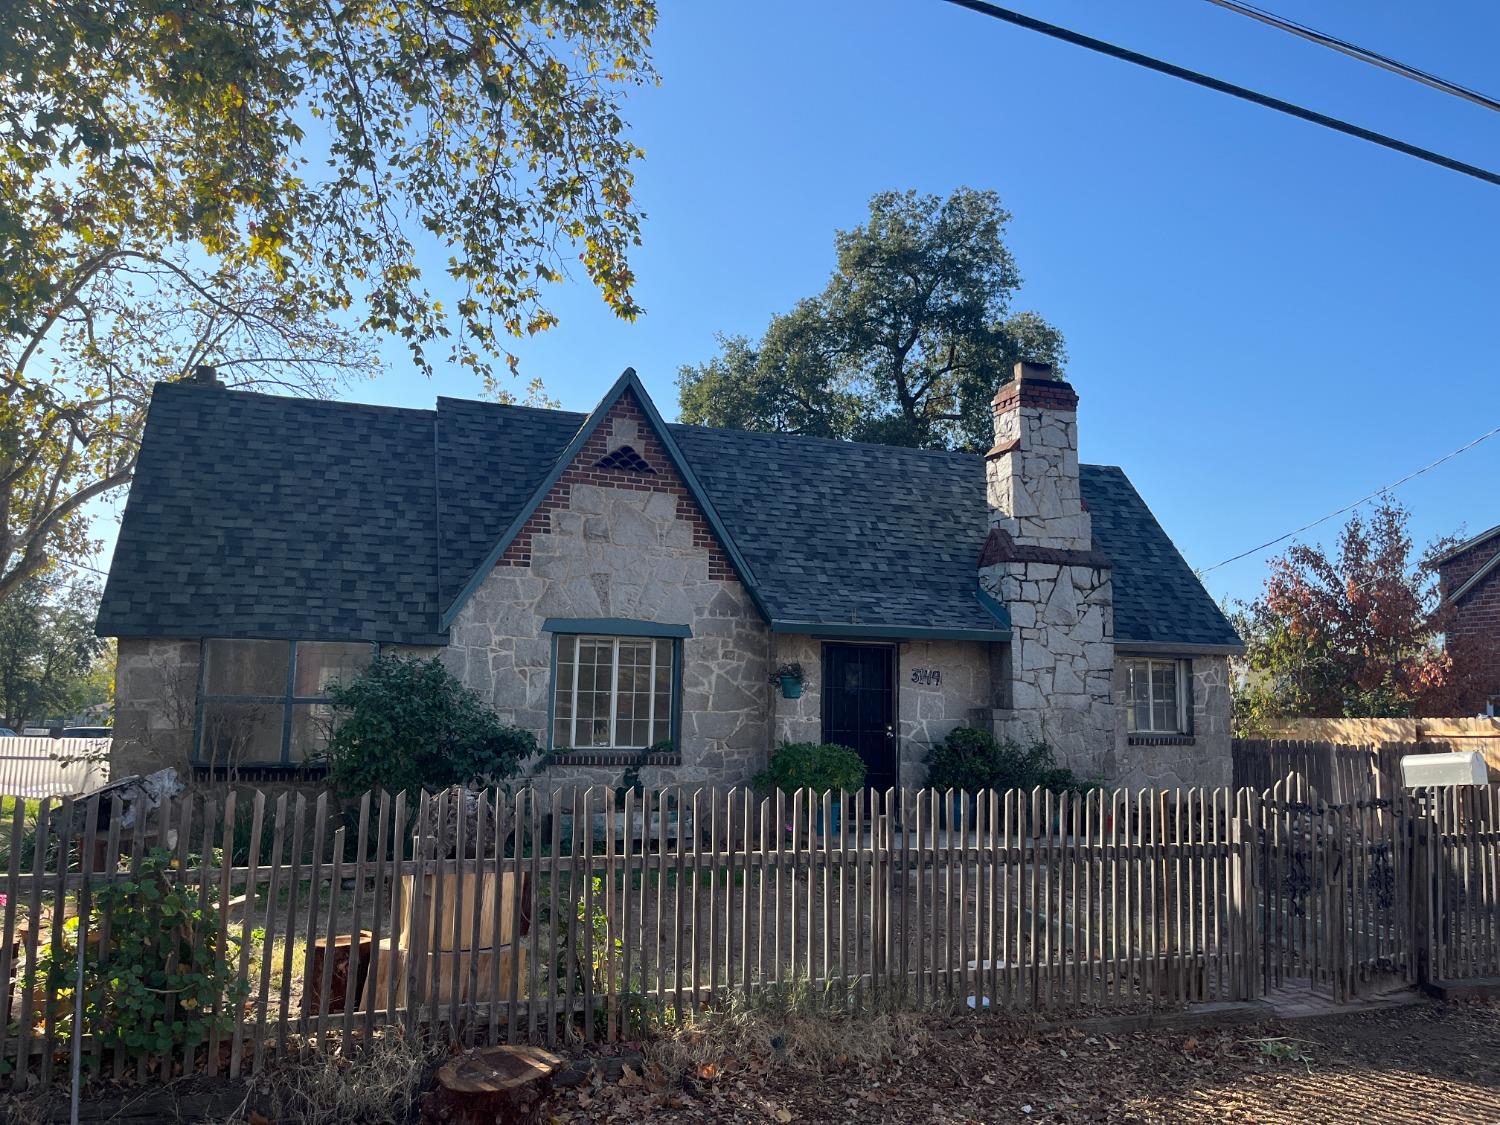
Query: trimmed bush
column 819, row 766
column 407, row 724
column 970, row 759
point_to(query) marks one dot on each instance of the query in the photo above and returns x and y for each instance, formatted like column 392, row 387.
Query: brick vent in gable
column 593, row 465
column 625, row 458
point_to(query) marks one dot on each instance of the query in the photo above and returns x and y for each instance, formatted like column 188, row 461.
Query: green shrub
column 164, row 958
column 972, row 759
column 818, row 766
column 405, row 724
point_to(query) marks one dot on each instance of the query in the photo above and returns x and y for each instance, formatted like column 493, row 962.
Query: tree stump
column 508, row 1085
column 342, row 991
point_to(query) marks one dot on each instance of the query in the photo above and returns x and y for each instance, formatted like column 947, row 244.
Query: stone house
column 1469, row 583
column 615, row 583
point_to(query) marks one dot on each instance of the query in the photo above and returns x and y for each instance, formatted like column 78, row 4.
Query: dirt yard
column 1426, row 1063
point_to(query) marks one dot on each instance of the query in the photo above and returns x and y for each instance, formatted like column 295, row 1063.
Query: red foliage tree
column 1355, row 632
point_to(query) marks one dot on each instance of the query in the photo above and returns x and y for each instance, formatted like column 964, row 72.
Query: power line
column 1362, row 500
column 1363, row 54
column 1245, row 94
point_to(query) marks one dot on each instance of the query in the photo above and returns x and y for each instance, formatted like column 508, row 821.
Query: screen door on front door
column 859, row 706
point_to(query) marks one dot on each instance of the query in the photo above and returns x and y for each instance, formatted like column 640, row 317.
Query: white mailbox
column 1423, row 771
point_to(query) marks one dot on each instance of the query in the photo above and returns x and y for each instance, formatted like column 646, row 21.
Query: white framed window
column 612, row 693
column 1158, row 696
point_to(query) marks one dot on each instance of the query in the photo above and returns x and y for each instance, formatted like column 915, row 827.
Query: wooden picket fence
column 547, row 917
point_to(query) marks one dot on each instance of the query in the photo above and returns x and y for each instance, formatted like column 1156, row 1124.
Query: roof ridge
column 185, row 386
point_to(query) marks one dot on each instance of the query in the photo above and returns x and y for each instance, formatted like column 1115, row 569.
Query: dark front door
column 859, row 706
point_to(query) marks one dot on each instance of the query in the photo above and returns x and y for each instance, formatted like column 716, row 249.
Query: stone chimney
column 1032, row 471
column 1053, row 681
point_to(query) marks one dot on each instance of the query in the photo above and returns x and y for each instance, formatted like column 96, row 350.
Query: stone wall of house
column 928, row 706
column 609, row 542
column 156, row 703
column 1061, row 659
column 1201, row 759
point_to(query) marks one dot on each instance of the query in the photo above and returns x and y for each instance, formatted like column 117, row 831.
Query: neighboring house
column 1469, row 581
column 613, row 582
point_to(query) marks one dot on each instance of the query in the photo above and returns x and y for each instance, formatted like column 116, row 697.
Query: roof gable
column 627, row 388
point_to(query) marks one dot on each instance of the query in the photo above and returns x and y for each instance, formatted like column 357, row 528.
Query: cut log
column 506, row 1085
column 340, row 990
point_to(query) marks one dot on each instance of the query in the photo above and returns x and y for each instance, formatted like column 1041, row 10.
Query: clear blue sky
column 1265, row 319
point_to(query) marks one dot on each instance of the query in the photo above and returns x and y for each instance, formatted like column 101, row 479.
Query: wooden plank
column 430, row 967
column 269, row 928
column 179, row 879
column 745, row 899
column 695, row 895
column 612, row 1031
column 716, row 859
column 479, row 845
column 236, row 1048
column 453, row 940
column 8, row 927
column 226, row 855
column 314, row 894
column 57, row 929
column 294, row 887
column 387, row 841
column 534, row 1004
column 502, row 829
column 356, row 921
column 330, row 934
column 205, row 880
column 762, row 883
column 399, row 870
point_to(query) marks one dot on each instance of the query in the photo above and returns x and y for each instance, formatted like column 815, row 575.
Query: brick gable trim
column 586, row 460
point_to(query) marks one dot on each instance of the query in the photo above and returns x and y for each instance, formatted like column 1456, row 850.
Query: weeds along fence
column 52, row 767
column 256, row 926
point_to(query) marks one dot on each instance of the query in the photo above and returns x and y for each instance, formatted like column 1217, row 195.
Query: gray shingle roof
column 1158, row 598
column 254, row 515
column 262, row 516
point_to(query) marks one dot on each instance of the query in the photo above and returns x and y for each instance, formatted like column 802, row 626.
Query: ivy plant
column 164, row 978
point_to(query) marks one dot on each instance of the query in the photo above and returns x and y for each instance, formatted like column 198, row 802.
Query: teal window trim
column 614, row 627
column 674, row 721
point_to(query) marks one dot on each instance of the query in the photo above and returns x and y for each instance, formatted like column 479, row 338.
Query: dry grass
column 375, row 1085
column 791, row 1025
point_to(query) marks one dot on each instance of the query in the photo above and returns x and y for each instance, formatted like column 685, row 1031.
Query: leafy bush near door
column 818, row 766
column 406, row 724
column 970, row 759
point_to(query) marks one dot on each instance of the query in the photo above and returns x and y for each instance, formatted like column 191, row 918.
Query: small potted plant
column 819, row 766
column 790, row 677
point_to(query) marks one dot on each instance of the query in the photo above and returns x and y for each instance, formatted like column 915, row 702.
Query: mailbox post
column 1430, row 773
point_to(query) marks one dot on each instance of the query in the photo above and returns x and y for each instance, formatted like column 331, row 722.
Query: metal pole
column 77, row 1045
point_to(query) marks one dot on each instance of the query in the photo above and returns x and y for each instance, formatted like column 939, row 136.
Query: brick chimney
column 1032, row 471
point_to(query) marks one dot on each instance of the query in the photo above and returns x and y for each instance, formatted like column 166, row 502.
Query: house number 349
column 929, row 676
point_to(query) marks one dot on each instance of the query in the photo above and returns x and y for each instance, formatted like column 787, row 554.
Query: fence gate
column 1338, row 883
